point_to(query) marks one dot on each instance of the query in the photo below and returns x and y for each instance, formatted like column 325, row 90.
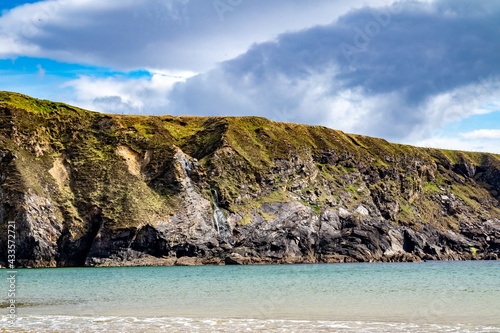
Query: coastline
column 249, row 261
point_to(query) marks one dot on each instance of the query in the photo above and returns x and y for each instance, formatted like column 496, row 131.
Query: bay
column 367, row 297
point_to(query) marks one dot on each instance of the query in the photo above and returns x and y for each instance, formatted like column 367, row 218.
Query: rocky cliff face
column 92, row 189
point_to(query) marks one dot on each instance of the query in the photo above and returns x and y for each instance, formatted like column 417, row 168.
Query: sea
column 454, row 296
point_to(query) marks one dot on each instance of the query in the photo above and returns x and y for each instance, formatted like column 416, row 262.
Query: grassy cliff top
column 256, row 139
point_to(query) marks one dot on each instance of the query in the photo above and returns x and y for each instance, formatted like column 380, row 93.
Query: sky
column 420, row 72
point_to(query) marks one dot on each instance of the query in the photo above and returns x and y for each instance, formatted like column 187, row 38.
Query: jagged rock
column 237, row 259
column 188, row 261
column 344, row 213
column 363, row 211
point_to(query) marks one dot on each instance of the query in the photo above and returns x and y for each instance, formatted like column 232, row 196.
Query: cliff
column 87, row 188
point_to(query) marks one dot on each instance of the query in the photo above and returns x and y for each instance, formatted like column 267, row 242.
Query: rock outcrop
column 91, row 189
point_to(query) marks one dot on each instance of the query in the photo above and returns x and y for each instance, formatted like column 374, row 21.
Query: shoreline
column 198, row 262
column 207, row 324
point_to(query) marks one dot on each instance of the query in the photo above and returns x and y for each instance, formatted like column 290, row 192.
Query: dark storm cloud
column 401, row 58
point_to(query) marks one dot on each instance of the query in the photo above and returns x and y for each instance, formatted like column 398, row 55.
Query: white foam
column 162, row 324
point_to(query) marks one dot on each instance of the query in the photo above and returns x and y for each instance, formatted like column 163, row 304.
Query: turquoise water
column 371, row 297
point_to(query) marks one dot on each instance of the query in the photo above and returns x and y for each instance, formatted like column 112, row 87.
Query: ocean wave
column 164, row 324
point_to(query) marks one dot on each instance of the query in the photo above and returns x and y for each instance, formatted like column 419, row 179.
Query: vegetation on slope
column 249, row 160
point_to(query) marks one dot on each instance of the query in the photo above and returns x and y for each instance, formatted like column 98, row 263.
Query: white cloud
column 457, row 143
column 11, row 47
column 489, row 134
column 122, row 95
column 457, row 104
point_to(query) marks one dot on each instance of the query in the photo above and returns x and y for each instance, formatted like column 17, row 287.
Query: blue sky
column 422, row 72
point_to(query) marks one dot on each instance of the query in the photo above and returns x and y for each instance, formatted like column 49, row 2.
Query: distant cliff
column 87, row 188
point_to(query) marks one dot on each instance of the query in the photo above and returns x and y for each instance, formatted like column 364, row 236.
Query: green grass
column 430, row 187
